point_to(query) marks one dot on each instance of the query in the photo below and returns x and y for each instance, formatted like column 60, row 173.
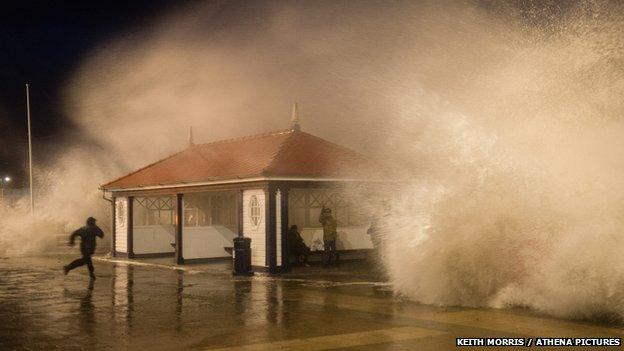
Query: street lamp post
column 30, row 172
column 3, row 182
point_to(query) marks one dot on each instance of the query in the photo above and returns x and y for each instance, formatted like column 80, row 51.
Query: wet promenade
column 149, row 308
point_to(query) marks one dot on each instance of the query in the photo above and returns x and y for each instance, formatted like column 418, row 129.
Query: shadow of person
column 179, row 300
column 87, row 309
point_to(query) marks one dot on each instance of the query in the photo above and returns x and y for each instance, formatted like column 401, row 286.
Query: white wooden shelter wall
column 121, row 224
column 349, row 238
column 149, row 239
column 207, row 241
column 278, row 227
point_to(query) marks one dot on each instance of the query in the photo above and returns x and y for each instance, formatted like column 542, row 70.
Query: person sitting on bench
column 297, row 247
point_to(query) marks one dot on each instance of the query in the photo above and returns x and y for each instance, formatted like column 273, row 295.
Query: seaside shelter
column 192, row 204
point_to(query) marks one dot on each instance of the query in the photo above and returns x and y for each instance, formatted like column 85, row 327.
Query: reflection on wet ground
column 133, row 307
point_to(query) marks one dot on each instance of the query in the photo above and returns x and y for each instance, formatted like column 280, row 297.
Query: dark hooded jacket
column 87, row 236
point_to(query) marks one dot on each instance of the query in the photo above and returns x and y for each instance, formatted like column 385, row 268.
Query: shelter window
column 305, row 207
column 211, row 209
column 154, row 211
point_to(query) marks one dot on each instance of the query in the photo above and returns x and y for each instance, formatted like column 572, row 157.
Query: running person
column 87, row 236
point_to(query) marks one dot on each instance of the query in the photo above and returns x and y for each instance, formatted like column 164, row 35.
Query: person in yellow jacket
column 330, row 235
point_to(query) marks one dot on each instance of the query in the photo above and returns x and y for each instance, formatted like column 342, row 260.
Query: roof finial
column 294, row 121
column 190, row 137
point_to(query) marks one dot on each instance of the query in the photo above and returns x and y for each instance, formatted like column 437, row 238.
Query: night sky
column 42, row 43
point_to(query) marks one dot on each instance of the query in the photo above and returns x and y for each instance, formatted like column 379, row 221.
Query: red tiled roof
column 280, row 154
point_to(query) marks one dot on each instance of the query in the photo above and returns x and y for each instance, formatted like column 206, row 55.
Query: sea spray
column 502, row 227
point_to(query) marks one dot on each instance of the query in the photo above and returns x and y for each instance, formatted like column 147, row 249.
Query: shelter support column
column 179, row 256
column 113, row 227
column 271, row 240
column 285, row 228
column 239, row 213
column 130, row 227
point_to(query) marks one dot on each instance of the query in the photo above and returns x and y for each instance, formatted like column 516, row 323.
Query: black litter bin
column 242, row 256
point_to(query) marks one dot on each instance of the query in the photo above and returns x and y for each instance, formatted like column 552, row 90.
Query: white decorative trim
column 255, row 211
column 247, row 180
